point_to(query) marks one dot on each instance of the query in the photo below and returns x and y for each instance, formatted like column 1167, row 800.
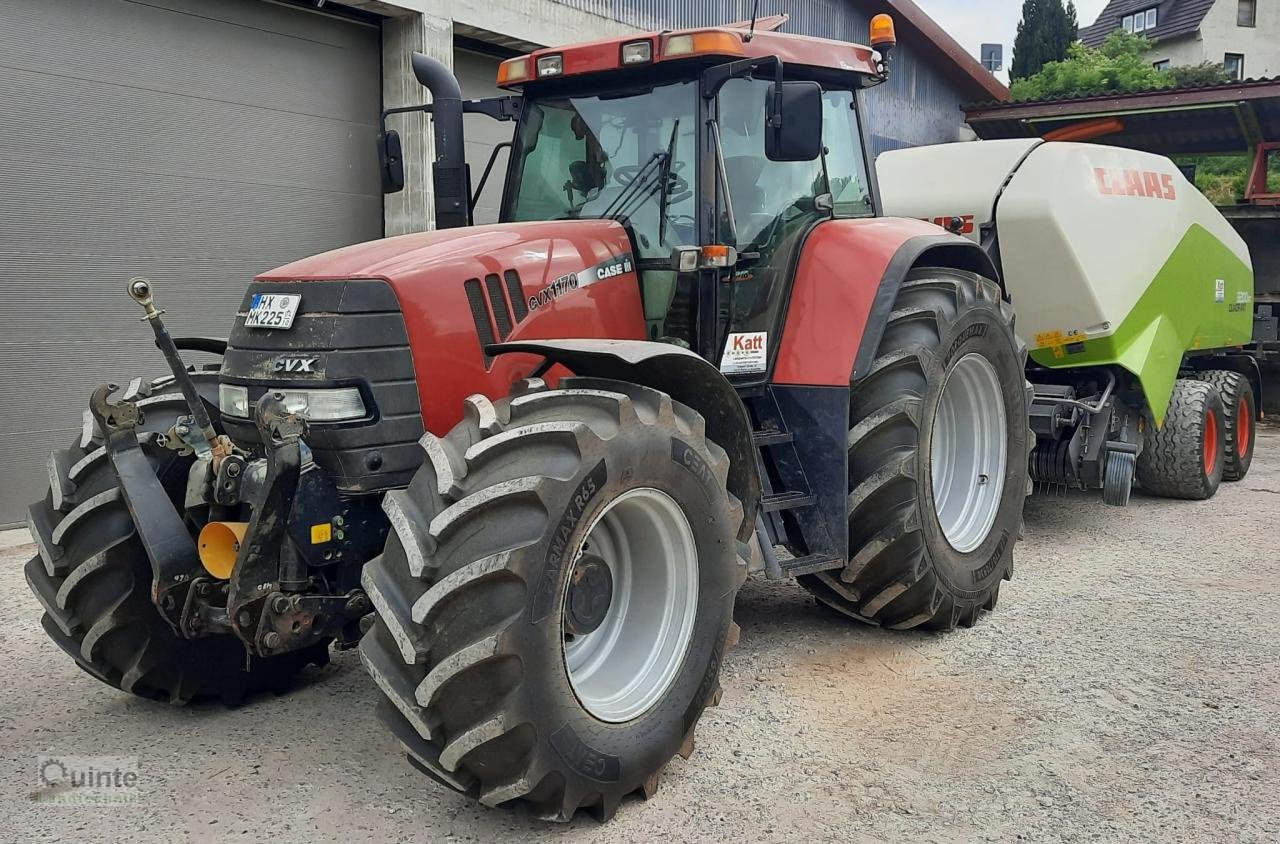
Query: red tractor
column 533, row 462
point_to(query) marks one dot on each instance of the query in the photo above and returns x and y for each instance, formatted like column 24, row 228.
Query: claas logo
column 1117, row 182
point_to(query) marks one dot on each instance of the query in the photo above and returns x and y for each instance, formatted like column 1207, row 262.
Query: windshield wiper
column 664, row 179
column 624, row 201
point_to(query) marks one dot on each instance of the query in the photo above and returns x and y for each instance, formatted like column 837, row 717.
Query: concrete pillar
column 411, row 209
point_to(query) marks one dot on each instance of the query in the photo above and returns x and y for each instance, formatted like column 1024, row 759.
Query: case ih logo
column 1116, row 182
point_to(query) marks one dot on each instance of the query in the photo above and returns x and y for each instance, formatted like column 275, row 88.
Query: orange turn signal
column 513, row 70
column 882, row 34
column 719, row 255
column 715, row 42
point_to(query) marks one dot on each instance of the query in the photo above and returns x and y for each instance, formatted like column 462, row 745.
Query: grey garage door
column 197, row 143
column 477, row 74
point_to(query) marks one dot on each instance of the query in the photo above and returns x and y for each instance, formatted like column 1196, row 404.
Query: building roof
column 1174, row 18
column 1229, row 117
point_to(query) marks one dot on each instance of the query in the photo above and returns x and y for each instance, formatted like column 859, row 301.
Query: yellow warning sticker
column 321, row 533
column 1059, row 340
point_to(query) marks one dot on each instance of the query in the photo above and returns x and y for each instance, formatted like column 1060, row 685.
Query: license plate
column 272, row 310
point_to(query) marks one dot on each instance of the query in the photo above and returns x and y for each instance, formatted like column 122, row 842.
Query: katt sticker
column 1220, row 290
column 746, row 351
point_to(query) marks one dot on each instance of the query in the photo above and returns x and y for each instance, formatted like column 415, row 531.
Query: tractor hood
column 461, row 290
column 537, row 247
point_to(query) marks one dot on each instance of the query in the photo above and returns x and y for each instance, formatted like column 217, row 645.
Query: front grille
column 357, row 333
column 491, row 311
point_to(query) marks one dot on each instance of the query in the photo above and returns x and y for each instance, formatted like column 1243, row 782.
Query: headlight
column 233, row 400
column 333, row 405
column 325, row 405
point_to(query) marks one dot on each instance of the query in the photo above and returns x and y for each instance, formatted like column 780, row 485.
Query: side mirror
column 794, row 128
column 390, row 161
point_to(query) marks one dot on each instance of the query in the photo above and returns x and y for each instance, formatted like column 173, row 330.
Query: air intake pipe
column 451, row 181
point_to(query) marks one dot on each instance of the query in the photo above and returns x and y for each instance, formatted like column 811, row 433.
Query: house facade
column 1241, row 35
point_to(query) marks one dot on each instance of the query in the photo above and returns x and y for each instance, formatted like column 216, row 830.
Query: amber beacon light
column 882, row 35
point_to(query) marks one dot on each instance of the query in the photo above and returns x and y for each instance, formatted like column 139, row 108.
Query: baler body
column 1109, row 254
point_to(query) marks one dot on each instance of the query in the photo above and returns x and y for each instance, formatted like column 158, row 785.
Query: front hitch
column 262, row 562
column 164, row 535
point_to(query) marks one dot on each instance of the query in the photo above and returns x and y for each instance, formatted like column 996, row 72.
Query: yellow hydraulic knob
column 219, row 545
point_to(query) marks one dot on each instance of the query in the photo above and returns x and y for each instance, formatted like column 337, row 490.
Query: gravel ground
column 1127, row 688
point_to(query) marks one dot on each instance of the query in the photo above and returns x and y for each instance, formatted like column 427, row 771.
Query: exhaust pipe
column 452, row 182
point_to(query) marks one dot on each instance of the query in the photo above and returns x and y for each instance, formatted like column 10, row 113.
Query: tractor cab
column 716, row 149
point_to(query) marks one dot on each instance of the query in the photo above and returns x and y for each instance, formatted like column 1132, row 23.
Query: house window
column 1139, row 21
column 1163, row 64
column 1234, row 64
column 1247, row 13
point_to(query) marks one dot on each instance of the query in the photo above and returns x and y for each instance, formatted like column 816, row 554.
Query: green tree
column 1206, row 73
column 1119, row 65
column 1045, row 33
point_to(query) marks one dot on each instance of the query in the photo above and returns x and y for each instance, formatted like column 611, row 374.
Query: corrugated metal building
column 199, row 142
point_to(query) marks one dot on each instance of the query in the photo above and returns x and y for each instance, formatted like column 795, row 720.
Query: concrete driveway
column 1127, row 688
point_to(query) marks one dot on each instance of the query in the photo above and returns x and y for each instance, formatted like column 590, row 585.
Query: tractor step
column 771, row 437
column 785, row 501
column 810, row 564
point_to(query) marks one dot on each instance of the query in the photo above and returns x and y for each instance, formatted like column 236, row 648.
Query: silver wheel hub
column 629, row 606
column 969, row 452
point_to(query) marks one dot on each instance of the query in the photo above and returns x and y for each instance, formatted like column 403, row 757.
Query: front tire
column 93, row 578
column 501, row 680
column 938, row 469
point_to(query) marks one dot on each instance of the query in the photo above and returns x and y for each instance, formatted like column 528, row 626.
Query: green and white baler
column 1133, row 293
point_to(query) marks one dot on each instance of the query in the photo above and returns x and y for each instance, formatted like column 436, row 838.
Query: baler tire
column 903, row 572
column 1239, row 410
column 93, row 579
column 468, row 646
column 1184, row 458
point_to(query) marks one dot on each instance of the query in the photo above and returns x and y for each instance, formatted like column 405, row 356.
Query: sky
column 975, row 22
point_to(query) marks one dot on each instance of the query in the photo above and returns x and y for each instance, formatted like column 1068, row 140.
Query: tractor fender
column 847, row 277
column 947, row 250
column 679, row 373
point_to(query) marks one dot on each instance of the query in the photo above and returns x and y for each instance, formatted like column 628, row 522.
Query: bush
column 1119, row 65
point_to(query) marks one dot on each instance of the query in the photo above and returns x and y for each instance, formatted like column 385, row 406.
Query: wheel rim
column 625, row 665
column 1210, row 442
column 1243, row 429
column 969, row 452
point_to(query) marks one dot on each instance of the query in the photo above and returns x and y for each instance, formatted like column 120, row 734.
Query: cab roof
column 727, row 42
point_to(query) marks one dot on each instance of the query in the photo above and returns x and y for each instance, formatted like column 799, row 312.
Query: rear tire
column 471, row 597
column 93, row 578
column 1185, row 458
column 931, row 549
column 1239, row 409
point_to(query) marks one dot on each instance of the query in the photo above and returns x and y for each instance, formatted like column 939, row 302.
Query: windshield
column 629, row 158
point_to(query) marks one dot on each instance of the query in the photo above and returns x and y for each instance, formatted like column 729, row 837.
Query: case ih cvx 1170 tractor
column 544, row 454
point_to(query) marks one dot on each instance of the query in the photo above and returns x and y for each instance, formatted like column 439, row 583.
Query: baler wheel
column 938, row 459
column 1239, row 410
column 93, row 578
column 554, row 602
column 1185, row 457
column 1117, row 482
